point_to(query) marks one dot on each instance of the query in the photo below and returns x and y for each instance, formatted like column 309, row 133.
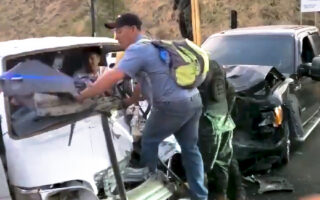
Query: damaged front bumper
column 260, row 137
column 246, row 148
column 156, row 187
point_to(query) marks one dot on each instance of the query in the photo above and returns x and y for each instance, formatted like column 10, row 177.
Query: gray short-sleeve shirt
column 142, row 62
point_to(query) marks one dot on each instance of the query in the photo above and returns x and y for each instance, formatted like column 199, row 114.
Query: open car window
column 40, row 89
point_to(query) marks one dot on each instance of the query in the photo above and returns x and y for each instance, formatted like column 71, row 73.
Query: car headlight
column 278, row 116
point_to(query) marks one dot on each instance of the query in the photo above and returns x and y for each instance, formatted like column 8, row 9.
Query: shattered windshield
column 267, row 50
column 41, row 89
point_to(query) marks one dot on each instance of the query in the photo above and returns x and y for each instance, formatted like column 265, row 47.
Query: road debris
column 270, row 183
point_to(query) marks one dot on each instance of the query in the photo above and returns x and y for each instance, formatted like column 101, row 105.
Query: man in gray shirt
column 174, row 110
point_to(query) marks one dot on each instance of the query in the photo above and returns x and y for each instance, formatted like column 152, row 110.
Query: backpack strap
column 144, row 41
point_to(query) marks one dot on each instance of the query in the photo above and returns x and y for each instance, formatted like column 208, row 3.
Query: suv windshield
column 271, row 50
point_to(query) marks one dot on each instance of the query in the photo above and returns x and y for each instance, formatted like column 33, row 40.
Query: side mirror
column 311, row 70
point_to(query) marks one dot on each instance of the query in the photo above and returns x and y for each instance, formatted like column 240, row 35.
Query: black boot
column 238, row 192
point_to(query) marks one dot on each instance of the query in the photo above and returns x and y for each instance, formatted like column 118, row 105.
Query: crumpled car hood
column 245, row 77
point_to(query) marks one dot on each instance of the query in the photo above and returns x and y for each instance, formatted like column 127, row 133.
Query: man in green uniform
column 215, row 133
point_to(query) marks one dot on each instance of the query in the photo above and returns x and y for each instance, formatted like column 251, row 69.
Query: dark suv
column 265, row 128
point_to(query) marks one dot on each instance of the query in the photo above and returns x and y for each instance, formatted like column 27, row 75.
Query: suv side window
column 315, row 42
column 307, row 53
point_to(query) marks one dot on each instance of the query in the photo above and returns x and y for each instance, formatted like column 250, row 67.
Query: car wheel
column 293, row 115
column 285, row 153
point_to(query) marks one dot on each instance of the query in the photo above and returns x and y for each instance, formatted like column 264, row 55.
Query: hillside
column 37, row 18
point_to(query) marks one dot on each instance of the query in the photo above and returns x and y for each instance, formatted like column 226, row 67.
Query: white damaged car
column 53, row 148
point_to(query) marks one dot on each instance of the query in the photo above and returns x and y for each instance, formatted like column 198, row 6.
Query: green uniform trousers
column 215, row 144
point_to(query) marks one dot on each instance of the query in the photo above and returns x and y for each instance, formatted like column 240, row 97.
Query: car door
column 306, row 89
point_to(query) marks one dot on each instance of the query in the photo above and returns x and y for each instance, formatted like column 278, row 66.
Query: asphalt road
column 303, row 172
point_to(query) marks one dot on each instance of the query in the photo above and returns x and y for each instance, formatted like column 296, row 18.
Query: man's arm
column 104, row 83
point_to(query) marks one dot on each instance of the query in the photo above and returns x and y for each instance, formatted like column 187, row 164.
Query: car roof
column 25, row 46
column 269, row 30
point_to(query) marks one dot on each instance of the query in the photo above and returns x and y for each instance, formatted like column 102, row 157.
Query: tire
column 293, row 115
column 285, row 152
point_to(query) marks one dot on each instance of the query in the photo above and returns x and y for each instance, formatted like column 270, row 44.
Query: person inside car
column 90, row 65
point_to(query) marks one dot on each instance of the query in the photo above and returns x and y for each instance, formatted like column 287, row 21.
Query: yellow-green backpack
column 188, row 63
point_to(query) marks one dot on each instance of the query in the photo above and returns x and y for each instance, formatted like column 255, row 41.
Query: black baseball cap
column 127, row 19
